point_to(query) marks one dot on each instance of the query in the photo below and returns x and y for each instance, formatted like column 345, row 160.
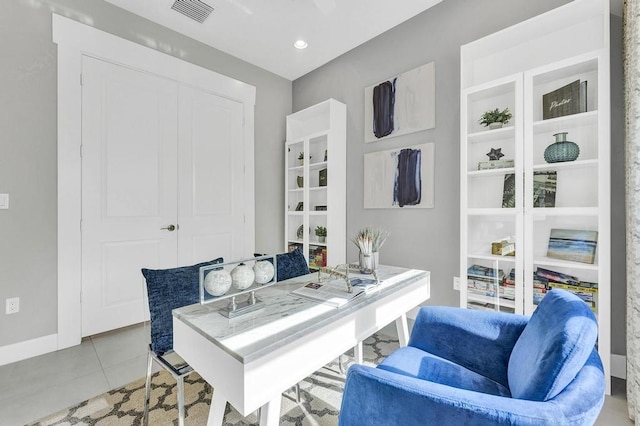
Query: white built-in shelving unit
column 514, row 68
column 318, row 133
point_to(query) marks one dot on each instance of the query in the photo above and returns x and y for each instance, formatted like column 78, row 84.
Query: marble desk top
column 285, row 316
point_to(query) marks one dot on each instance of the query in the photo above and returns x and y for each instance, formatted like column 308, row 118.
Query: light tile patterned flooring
column 35, row 387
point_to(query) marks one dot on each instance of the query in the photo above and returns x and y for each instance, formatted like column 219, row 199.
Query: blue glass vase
column 561, row 150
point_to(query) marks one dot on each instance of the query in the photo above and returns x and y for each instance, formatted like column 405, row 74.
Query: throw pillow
column 170, row 289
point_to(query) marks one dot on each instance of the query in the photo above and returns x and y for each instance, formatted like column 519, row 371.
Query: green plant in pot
column 495, row 119
column 321, row 232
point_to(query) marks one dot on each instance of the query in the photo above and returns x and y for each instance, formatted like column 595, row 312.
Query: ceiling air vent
column 194, row 9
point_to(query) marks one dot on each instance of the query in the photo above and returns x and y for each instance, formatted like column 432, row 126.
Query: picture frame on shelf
column 573, row 245
column 544, row 189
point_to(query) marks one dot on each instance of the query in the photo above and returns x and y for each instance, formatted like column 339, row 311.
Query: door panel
column 129, row 190
column 211, row 184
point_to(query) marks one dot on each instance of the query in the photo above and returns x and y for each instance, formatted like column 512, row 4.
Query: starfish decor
column 495, row 154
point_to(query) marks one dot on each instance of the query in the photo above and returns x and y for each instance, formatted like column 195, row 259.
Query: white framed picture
column 402, row 104
column 400, row 178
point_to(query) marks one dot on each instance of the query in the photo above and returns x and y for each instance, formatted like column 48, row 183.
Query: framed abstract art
column 402, row 104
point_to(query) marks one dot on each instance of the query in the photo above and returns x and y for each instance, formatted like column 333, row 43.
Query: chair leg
column 180, row 382
column 147, row 390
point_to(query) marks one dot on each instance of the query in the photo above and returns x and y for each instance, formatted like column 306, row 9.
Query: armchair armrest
column 382, row 398
column 481, row 341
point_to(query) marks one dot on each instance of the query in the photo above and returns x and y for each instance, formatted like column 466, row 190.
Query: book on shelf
column 582, row 286
column 485, row 271
column 573, row 245
column 555, row 276
column 544, row 189
column 587, row 294
column 495, row 164
column 333, row 293
column 482, row 306
column 566, row 100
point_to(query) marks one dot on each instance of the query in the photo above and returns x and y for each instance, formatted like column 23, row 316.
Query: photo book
column 574, row 245
column 333, row 293
column 567, row 100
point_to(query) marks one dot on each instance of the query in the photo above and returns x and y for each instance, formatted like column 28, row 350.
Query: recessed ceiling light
column 300, row 44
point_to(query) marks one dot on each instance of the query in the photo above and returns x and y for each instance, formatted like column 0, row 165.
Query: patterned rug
column 320, row 398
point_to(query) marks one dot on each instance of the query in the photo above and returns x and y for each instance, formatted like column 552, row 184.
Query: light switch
column 4, row 201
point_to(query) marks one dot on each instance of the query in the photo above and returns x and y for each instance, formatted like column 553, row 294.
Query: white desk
column 251, row 360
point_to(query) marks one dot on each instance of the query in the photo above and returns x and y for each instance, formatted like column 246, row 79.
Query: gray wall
column 28, row 163
column 429, row 239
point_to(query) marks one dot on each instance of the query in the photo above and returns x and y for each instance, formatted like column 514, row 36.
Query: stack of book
column 495, row 164
column 485, row 281
column 540, row 288
column 317, row 256
column 587, row 291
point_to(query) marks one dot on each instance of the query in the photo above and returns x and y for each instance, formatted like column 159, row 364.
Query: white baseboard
column 619, row 366
column 28, row 349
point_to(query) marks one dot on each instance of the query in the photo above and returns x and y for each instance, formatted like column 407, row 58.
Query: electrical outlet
column 456, row 283
column 13, row 305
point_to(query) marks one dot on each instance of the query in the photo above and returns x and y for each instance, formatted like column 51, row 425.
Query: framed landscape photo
column 572, row 244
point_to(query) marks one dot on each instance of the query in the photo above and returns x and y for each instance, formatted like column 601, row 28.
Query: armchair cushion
column 170, row 289
column 456, row 334
column 553, row 347
column 422, row 365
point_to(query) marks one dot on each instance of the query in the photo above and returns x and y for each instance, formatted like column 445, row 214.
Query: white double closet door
column 162, row 185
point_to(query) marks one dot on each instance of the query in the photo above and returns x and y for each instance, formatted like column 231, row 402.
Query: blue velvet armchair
column 468, row 367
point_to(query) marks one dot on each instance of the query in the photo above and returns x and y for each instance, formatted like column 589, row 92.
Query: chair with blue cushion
column 469, row 367
column 169, row 289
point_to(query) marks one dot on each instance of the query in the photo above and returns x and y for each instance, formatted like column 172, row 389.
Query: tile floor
column 35, row 387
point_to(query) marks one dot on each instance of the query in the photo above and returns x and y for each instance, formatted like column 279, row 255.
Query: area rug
column 320, row 398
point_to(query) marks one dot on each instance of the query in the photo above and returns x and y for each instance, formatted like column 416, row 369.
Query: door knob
column 169, row 228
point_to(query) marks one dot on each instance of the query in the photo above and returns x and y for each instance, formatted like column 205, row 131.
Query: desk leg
column 270, row 412
column 403, row 330
column 216, row 412
column 358, row 353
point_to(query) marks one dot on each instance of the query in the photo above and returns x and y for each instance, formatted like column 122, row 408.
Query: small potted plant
column 301, row 158
column 495, row 119
column 321, row 232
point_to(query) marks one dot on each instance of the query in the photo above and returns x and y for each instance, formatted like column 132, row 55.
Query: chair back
column 554, row 346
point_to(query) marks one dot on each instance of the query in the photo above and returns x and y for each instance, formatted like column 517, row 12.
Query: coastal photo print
column 402, row 104
column 400, row 178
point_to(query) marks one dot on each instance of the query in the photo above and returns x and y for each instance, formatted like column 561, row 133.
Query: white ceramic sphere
column 217, row 283
column 264, row 271
column 242, row 276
